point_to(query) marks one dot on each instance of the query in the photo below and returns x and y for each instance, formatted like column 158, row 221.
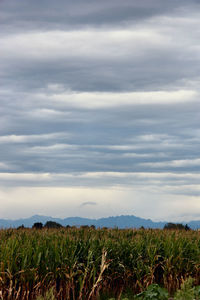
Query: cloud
column 31, row 138
column 148, row 56
column 163, row 181
column 77, row 14
column 4, row 166
column 100, row 98
column 175, row 163
column 88, row 203
column 66, row 201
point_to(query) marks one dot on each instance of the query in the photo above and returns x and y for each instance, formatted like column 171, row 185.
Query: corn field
column 89, row 263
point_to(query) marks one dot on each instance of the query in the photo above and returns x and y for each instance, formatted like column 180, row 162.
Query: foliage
column 176, row 226
column 49, row 295
column 153, row 292
column 37, row 225
column 188, row 291
column 52, row 224
column 84, row 263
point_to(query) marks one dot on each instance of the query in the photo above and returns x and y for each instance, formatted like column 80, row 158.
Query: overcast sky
column 100, row 108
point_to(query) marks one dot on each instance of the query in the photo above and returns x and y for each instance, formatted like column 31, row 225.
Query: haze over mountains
column 128, row 221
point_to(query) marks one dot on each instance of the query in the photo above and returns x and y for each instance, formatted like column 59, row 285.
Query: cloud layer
column 100, row 96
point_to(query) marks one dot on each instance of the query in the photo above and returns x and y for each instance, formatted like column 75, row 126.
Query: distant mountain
column 111, row 222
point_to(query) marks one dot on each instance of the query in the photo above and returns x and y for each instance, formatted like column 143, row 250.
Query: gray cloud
column 152, row 137
column 100, row 94
column 68, row 14
column 88, row 203
column 146, row 56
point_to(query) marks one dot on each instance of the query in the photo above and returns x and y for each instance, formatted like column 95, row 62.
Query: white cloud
column 51, row 148
column 4, row 165
column 48, row 113
column 13, row 138
column 25, row 176
column 103, row 100
column 152, row 137
column 103, row 178
column 174, row 163
column 51, row 44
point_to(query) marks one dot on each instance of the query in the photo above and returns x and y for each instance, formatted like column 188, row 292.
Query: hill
column 128, row 221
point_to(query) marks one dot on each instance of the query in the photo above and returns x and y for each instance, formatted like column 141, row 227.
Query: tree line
column 56, row 225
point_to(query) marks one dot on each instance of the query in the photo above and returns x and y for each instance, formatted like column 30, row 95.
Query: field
column 88, row 264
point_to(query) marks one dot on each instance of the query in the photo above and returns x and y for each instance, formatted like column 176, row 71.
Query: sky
column 100, row 108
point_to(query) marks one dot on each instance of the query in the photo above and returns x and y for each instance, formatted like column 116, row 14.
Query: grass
column 85, row 263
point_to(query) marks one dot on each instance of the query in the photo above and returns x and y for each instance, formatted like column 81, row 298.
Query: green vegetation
column 52, row 224
column 71, row 263
column 188, row 291
column 153, row 292
column 176, row 226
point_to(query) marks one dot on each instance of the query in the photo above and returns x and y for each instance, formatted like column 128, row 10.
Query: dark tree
column 21, row 227
column 187, row 227
column 37, row 225
column 52, row 224
column 176, row 226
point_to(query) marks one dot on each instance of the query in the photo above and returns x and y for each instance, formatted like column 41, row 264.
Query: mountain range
column 128, row 221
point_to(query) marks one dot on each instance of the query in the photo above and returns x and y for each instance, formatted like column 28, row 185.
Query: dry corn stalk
column 104, row 266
